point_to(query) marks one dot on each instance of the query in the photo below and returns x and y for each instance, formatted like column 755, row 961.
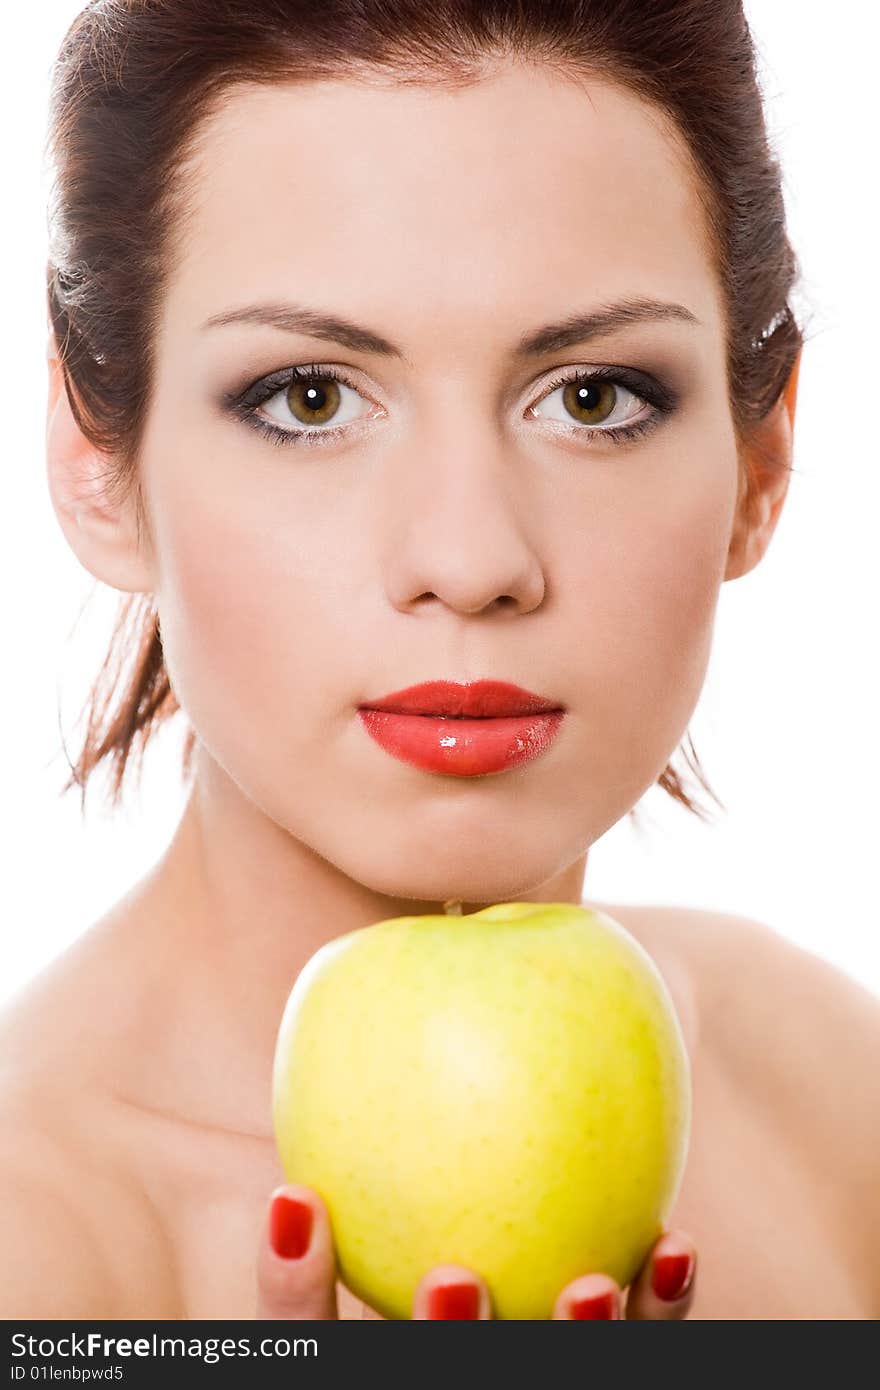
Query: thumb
column 296, row 1263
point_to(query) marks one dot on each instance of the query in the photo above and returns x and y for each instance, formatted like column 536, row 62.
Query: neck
column 242, row 906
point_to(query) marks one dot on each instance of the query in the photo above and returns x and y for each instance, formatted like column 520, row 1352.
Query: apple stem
column 452, row 908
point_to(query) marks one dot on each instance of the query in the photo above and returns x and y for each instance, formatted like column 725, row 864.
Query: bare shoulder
column 814, row 1031
column 53, row 1265
column 79, row 1239
column 758, row 995
column 761, row 1000
column 85, row 1240
column 798, row 1040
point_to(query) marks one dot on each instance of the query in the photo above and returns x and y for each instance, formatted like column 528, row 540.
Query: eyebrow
column 552, row 337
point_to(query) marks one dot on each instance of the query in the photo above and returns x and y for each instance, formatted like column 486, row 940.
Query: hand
column 671, row 1265
column 297, row 1275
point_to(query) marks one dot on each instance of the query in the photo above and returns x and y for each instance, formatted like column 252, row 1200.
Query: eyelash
column 661, row 398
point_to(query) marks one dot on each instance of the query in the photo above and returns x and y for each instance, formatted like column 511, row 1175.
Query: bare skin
column 456, row 529
column 176, row 1199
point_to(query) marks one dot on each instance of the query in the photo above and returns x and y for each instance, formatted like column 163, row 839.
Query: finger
column 589, row 1296
column 350, row 1308
column 451, row 1291
column 664, row 1286
column 296, row 1264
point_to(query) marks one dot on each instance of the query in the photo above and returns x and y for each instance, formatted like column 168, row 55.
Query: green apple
column 508, row 1089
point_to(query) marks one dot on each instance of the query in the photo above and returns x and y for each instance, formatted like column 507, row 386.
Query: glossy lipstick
column 464, row 730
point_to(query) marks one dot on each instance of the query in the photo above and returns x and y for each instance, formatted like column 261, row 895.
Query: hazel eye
column 594, row 402
column 314, row 401
column 321, row 405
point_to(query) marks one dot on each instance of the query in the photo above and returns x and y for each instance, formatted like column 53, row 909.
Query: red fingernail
column 454, row 1301
column 672, row 1276
column 600, row 1305
column 290, row 1226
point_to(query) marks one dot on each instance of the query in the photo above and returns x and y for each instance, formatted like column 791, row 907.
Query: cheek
column 262, row 598
column 249, row 613
column 647, row 596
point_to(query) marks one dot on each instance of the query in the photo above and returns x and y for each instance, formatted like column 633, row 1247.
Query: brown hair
column 135, row 80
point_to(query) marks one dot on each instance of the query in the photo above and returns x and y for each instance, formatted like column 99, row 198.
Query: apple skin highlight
column 508, row 1089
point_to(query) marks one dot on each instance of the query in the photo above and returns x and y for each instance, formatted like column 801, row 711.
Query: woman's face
column 447, row 530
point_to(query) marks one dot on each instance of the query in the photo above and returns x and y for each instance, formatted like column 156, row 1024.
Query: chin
column 472, row 877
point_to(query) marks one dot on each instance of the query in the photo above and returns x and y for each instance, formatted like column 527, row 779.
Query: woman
column 396, row 344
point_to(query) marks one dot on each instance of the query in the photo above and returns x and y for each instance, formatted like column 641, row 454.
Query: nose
column 456, row 512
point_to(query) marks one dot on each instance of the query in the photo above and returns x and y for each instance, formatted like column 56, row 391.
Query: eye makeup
column 660, row 399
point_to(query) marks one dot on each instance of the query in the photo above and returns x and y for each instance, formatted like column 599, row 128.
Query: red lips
column 476, row 700
column 463, row 730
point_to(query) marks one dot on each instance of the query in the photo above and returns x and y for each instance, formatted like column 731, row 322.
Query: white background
column 787, row 725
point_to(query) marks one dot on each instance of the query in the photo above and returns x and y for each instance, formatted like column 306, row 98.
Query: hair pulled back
column 134, row 82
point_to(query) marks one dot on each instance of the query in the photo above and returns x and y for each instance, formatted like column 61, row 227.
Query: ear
column 766, row 462
column 102, row 535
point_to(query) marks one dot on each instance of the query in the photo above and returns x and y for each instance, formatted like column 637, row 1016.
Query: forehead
column 422, row 207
